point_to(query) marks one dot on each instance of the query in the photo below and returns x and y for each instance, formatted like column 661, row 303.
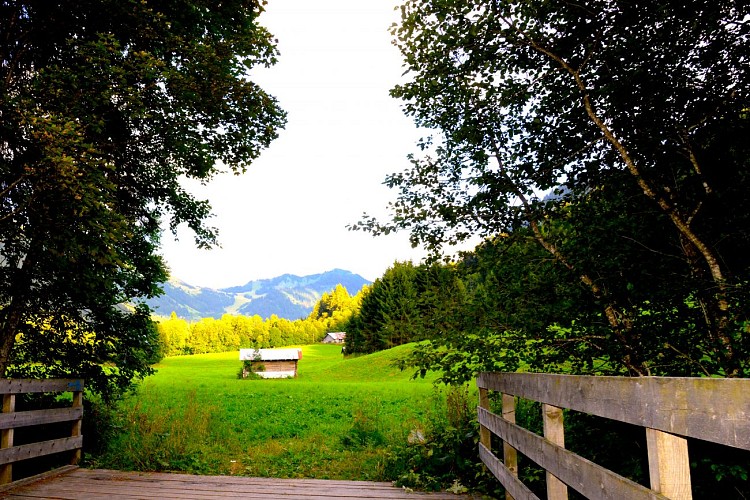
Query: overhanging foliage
column 104, row 107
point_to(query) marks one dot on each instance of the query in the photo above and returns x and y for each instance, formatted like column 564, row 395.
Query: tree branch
column 680, row 222
column 621, row 325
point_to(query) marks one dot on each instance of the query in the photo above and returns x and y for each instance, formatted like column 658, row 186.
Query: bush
column 248, row 370
column 99, row 425
column 441, row 453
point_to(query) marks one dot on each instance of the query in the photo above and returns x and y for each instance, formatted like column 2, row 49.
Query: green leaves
column 610, row 135
column 103, row 108
column 408, row 303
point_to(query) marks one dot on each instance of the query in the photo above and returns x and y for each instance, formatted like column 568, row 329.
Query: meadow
column 339, row 419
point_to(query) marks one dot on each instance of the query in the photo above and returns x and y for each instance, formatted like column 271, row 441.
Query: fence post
column 77, row 424
column 554, row 431
column 484, row 432
column 668, row 464
column 510, row 455
column 6, row 439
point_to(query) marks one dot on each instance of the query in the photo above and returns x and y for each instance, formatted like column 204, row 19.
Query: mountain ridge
column 287, row 296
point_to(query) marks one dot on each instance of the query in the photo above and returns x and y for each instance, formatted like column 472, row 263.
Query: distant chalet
column 335, row 338
column 271, row 363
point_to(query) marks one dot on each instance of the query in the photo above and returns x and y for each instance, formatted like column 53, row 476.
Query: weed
column 366, row 427
column 169, row 439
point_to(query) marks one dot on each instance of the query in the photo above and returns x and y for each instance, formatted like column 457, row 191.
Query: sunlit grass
column 335, row 420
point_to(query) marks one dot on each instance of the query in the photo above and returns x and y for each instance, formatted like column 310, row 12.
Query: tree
column 105, row 106
column 337, row 300
column 173, row 334
column 389, row 312
column 535, row 98
column 335, row 309
column 407, row 304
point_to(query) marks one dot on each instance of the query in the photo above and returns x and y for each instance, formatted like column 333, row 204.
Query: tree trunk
column 9, row 323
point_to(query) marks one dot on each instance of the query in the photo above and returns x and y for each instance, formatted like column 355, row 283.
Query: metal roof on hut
column 334, row 337
column 270, row 354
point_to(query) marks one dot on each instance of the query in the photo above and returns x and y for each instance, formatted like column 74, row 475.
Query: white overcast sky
column 288, row 213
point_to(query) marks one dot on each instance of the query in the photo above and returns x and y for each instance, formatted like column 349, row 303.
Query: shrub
column 250, row 369
column 441, row 453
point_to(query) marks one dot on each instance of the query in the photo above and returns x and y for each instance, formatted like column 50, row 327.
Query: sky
column 289, row 212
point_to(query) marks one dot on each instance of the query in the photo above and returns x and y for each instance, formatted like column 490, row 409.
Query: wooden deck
column 76, row 483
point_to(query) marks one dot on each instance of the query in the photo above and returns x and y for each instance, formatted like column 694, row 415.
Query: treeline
column 408, row 303
column 231, row 332
column 509, row 304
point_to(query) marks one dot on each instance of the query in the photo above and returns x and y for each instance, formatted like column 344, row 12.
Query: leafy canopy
column 104, row 107
column 615, row 134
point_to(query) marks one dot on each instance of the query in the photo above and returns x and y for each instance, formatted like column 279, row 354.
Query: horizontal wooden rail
column 29, row 386
column 39, row 417
column 712, row 409
column 669, row 408
column 33, row 450
column 10, row 420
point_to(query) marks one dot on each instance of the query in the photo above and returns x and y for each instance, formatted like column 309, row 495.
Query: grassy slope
column 334, row 421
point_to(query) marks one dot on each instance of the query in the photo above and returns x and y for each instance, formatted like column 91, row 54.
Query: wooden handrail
column 671, row 409
column 11, row 420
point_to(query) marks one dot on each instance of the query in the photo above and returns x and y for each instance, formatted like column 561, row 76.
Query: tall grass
column 339, row 419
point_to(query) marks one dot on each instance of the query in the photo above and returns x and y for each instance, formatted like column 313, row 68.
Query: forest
column 331, row 313
column 600, row 152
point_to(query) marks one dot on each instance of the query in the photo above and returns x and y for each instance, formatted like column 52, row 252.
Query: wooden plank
column 39, row 417
column 33, row 450
column 554, row 432
column 130, row 489
column 38, row 477
column 126, row 491
column 711, row 409
column 668, row 465
column 77, row 426
column 588, row 478
column 114, row 485
column 121, row 494
column 507, row 478
column 23, row 386
column 103, row 474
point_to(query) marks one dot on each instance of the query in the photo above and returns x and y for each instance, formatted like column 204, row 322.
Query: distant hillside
column 287, row 296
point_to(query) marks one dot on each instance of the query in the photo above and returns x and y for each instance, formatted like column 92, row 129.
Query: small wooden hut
column 270, row 363
column 335, row 338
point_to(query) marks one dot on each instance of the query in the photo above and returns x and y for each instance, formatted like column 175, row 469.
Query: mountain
column 287, row 296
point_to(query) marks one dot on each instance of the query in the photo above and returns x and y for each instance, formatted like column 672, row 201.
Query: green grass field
column 336, row 420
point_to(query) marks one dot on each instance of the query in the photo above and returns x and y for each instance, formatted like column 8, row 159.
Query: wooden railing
column 670, row 409
column 11, row 420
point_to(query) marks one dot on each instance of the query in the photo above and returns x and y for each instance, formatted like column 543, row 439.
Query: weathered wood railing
column 11, row 420
column 670, row 409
